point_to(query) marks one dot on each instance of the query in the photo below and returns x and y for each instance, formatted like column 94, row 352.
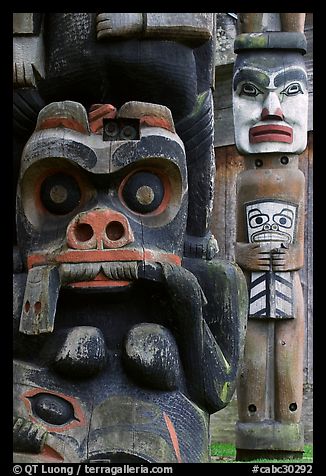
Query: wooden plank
column 306, row 163
column 228, row 164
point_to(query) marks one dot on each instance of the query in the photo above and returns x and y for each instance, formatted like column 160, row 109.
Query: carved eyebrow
column 255, row 75
column 293, row 74
column 285, row 211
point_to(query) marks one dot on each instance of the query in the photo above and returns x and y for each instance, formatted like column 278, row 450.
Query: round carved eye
column 60, row 193
column 143, row 192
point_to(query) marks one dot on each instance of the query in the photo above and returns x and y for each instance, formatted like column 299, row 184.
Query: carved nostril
column 267, row 227
column 115, row 230
column 276, row 115
column 83, row 232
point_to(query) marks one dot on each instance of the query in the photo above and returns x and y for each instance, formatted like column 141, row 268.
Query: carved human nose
column 272, row 108
column 99, row 229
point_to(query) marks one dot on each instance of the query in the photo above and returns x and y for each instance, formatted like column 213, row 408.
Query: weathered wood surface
column 115, row 372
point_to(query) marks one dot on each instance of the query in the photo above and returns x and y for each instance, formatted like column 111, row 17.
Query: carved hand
column 287, row 258
column 252, row 256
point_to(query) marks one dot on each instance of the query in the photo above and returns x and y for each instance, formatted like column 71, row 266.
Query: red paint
column 271, row 133
column 99, row 281
column 95, row 256
column 173, row 436
column 99, row 221
column 79, row 414
column 65, row 122
column 50, row 455
column 154, row 121
column 108, row 283
column 97, row 113
column 277, row 114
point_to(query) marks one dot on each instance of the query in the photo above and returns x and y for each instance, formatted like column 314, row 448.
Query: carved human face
column 270, row 102
column 271, row 221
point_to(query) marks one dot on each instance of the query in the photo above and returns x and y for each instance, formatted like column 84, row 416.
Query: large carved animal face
column 100, row 197
column 270, row 102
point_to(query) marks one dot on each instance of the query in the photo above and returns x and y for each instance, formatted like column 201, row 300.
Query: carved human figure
column 123, row 346
column 270, row 103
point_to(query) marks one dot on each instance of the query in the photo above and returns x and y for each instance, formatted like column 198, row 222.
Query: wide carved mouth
column 100, row 268
column 271, row 133
column 271, row 236
column 98, row 274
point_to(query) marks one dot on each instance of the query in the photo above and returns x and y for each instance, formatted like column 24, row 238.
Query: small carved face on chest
column 271, row 221
column 102, row 188
column 270, row 102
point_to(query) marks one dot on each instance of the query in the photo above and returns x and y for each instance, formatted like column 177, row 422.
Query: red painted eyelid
column 48, row 173
column 167, row 191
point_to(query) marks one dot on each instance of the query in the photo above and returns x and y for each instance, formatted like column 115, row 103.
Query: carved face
column 270, row 102
column 91, row 197
column 271, row 222
column 93, row 207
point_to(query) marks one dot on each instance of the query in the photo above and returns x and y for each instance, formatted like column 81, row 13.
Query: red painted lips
column 271, row 133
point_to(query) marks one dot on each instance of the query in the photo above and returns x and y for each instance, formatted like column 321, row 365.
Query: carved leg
column 252, row 380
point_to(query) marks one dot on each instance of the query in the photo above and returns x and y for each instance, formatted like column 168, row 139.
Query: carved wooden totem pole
column 128, row 330
column 270, row 101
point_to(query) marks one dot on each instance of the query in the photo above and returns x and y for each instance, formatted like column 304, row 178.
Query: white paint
column 247, row 111
column 270, row 222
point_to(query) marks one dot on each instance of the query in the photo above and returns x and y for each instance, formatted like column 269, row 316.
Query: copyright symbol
column 17, row 469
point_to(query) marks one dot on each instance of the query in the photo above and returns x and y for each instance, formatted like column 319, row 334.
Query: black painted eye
column 143, row 192
column 292, row 90
column 284, row 219
column 256, row 218
column 60, row 194
column 249, row 89
column 52, row 409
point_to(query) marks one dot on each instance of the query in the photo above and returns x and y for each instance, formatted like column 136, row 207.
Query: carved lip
column 94, row 256
column 271, row 133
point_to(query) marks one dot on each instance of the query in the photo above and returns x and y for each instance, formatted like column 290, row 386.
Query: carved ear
column 151, row 115
column 66, row 114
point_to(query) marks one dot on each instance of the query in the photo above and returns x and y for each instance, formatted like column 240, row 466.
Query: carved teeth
column 73, row 272
column 121, row 270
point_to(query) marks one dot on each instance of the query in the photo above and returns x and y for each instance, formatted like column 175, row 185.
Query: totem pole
column 128, row 331
column 270, row 101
